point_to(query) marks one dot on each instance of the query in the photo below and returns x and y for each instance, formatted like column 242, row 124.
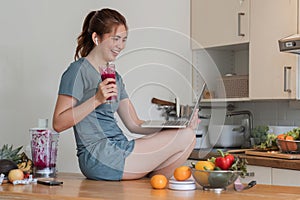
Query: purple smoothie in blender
column 44, row 151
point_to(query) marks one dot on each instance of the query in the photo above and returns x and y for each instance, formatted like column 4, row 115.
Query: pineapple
column 9, row 158
column 10, row 154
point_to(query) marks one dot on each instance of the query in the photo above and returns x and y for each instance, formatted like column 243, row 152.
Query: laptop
column 178, row 123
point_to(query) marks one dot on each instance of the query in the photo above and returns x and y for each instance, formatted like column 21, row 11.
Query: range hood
column 291, row 44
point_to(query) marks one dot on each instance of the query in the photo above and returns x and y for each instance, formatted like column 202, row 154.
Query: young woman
column 103, row 151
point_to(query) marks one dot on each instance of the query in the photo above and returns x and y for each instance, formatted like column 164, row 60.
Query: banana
column 29, row 165
column 22, row 165
column 26, row 165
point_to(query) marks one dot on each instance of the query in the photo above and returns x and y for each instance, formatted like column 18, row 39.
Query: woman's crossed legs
column 159, row 153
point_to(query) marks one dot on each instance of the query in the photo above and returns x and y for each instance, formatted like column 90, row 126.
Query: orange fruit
column 159, row 181
column 289, row 138
column 182, row 173
column 281, row 136
column 204, row 165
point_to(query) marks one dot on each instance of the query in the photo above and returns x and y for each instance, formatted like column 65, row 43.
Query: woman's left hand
column 195, row 121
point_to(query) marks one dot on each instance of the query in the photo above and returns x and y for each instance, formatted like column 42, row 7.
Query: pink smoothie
column 105, row 76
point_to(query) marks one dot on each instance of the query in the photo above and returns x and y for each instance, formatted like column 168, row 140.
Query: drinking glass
column 109, row 72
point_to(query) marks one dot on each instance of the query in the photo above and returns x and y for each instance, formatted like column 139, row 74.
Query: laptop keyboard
column 174, row 123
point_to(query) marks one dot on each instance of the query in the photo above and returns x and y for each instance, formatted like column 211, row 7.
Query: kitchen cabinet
column 273, row 176
column 271, row 21
column 268, row 175
column 272, row 74
column 285, row 177
column 262, row 175
column 216, row 22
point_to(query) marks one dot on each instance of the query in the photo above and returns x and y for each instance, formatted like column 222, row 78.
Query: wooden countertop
column 293, row 164
column 76, row 187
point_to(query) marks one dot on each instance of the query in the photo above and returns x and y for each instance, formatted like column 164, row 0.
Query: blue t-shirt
column 101, row 145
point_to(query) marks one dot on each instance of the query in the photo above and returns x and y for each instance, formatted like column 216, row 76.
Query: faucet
column 242, row 112
column 248, row 124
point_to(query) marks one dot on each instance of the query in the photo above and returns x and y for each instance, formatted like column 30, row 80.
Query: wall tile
column 276, row 113
column 293, row 115
column 297, row 123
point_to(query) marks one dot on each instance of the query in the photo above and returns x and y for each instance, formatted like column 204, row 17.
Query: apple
column 15, row 174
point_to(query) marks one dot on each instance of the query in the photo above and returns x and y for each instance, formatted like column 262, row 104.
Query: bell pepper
column 224, row 161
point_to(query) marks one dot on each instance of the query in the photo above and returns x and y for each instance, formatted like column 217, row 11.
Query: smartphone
column 49, row 182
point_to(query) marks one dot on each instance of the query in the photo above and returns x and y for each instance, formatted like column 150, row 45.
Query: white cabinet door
column 285, row 177
column 263, row 175
column 273, row 176
column 219, row 22
column 270, row 21
column 214, row 22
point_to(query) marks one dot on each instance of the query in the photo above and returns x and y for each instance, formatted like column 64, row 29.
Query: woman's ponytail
column 84, row 41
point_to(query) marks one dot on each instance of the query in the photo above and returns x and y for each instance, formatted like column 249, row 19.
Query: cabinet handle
column 287, row 79
column 239, row 24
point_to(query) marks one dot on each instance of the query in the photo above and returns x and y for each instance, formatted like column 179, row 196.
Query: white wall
column 37, row 43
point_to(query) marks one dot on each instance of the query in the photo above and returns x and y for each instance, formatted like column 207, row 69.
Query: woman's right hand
column 106, row 89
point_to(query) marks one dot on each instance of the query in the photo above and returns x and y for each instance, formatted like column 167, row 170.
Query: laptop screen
column 197, row 102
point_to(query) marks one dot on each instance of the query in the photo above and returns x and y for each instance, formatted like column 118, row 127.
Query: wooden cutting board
column 238, row 150
column 273, row 154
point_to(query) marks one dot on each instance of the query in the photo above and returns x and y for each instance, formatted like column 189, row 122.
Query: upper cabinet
column 241, row 37
column 216, row 22
column 272, row 74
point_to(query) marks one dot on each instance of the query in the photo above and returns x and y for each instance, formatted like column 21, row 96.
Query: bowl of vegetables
column 217, row 173
column 214, row 180
column 289, row 142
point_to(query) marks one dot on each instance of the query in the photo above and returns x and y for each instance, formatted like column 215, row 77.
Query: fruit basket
column 289, row 142
column 288, row 146
column 216, row 179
